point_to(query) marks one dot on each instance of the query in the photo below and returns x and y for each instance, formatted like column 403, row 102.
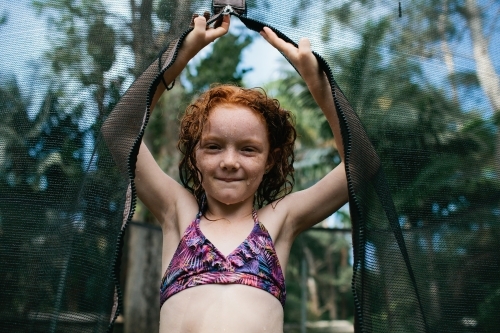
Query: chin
column 231, row 200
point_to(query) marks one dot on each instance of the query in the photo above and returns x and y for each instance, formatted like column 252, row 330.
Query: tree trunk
column 486, row 75
column 445, row 48
column 142, row 29
column 142, row 299
column 331, row 302
column 312, row 287
column 488, row 79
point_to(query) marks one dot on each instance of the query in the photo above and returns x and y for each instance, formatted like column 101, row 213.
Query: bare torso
column 224, row 308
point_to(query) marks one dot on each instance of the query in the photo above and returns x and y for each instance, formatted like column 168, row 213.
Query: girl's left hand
column 302, row 57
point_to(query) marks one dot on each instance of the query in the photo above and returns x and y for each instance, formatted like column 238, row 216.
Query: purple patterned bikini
column 197, row 261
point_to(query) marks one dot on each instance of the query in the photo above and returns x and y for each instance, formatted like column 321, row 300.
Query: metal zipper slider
column 227, row 10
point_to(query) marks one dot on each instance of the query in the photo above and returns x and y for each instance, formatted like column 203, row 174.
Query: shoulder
column 176, row 220
column 273, row 217
column 299, row 211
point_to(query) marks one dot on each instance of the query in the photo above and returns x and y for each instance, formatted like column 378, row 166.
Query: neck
column 231, row 212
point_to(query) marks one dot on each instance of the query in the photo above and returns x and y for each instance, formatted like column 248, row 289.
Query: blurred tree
column 438, row 155
column 329, row 273
column 221, row 66
column 40, row 155
column 85, row 47
column 85, row 56
column 3, row 18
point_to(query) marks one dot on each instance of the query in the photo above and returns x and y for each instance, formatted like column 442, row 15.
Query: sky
column 33, row 41
column 29, row 33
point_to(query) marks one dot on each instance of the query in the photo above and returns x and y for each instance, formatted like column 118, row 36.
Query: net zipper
column 133, row 201
column 228, row 10
column 135, row 147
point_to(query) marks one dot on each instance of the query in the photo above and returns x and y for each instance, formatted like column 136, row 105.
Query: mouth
column 229, row 180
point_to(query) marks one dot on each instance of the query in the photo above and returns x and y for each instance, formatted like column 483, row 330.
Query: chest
column 226, row 237
column 229, row 240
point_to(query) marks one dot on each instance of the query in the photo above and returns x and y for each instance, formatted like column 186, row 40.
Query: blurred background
column 421, row 75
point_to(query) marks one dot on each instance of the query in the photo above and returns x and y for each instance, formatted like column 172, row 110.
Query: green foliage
column 46, row 170
column 166, row 9
column 489, row 320
column 39, row 156
column 100, row 48
column 3, row 19
column 328, row 270
column 221, row 65
column 438, row 156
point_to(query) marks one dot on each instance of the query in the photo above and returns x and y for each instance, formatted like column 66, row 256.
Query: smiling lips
column 229, row 180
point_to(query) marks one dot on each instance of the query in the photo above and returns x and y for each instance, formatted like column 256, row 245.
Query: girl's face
column 233, row 153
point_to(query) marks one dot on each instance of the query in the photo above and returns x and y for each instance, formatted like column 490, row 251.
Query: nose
column 230, row 161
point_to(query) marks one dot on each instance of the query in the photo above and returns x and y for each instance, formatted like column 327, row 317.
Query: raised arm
column 194, row 42
column 159, row 192
column 306, row 64
column 310, row 206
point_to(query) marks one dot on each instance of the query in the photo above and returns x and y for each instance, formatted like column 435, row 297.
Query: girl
column 224, row 261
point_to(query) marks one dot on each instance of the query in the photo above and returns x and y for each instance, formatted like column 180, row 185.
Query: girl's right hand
column 201, row 36
column 196, row 40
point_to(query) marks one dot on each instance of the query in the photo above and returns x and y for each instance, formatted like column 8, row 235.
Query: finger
column 199, row 22
column 220, row 30
column 192, row 20
column 226, row 20
column 304, row 45
column 206, row 15
column 273, row 39
column 269, row 35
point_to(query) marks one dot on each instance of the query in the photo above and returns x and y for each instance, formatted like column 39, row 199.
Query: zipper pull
column 227, row 10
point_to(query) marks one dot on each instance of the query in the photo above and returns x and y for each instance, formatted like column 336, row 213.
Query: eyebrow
column 251, row 140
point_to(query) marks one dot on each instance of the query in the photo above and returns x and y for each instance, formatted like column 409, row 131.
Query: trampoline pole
column 60, row 288
column 59, row 295
column 303, row 298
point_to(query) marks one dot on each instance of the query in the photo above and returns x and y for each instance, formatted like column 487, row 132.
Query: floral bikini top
column 197, row 261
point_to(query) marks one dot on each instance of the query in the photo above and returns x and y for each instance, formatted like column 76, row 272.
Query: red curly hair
column 279, row 180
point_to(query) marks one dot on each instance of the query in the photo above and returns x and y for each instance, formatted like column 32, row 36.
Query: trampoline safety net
column 417, row 88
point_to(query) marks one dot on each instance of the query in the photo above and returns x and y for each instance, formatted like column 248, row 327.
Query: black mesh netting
column 420, row 131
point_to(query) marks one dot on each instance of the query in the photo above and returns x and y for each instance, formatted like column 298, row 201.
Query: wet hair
column 278, row 180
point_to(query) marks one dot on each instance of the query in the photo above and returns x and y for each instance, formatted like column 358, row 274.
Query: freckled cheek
column 205, row 163
column 254, row 181
column 255, row 178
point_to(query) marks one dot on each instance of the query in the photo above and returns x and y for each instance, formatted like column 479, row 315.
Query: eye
column 249, row 149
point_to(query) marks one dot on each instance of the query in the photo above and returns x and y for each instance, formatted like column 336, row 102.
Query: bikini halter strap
column 254, row 215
